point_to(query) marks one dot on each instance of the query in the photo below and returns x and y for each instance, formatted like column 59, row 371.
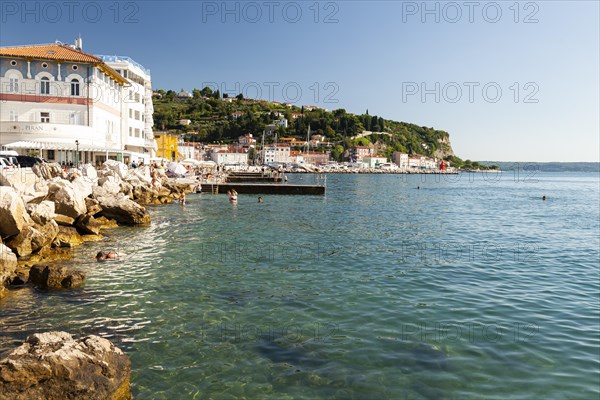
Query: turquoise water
column 470, row 287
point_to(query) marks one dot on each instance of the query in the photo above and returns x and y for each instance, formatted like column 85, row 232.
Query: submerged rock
column 55, row 277
column 53, row 366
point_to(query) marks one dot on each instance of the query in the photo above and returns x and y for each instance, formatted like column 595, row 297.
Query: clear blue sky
column 371, row 55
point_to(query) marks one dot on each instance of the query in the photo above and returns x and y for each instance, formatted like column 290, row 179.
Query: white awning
column 47, row 145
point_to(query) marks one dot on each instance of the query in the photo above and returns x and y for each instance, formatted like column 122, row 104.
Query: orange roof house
column 60, row 52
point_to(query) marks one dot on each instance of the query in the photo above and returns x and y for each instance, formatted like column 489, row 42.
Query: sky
column 510, row 81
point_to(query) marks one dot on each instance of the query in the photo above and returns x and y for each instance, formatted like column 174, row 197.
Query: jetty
column 246, row 177
column 263, row 188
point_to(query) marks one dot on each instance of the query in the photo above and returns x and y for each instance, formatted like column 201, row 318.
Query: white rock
column 12, row 212
column 118, row 167
column 68, row 199
column 43, row 212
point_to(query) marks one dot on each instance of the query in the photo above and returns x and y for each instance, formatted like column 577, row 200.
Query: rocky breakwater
column 45, row 212
column 53, row 366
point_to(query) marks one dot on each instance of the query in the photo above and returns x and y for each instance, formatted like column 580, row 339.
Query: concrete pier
column 263, row 188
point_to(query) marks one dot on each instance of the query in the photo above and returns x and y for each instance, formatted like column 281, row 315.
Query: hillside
column 216, row 119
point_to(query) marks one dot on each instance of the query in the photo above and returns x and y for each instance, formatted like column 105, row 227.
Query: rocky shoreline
column 45, row 212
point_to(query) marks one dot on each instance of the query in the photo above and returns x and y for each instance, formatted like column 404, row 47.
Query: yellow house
column 167, row 145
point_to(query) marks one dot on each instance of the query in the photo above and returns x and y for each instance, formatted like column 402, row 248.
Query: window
column 51, row 155
column 74, row 67
column 137, row 132
column 74, row 87
column 74, row 118
column 45, row 117
column 13, row 63
column 45, row 86
column 13, row 115
column 137, row 115
column 44, row 65
column 13, row 83
column 130, row 113
column 130, row 131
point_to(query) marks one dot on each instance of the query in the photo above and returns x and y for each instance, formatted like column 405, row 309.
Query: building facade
column 231, row 156
column 136, row 106
column 276, row 153
column 68, row 106
column 167, row 146
column 374, row 161
column 400, row 159
column 316, row 158
column 357, row 153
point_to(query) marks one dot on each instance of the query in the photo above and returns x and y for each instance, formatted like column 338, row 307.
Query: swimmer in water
column 106, row 255
column 232, row 196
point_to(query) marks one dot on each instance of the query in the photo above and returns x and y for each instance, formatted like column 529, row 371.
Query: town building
column 66, row 105
column 358, row 153
column 167, row 146
column 137, row 106
column 190, row 150
column 247, row 140
column 276, row 153
column 231, row 156
column 400, row 159
column 316, row 157
column 374, row 161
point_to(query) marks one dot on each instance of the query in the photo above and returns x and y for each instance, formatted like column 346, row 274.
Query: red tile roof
column 55, row 51
column 59, row 52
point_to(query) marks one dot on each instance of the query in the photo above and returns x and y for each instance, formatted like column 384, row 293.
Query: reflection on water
column 458, row 290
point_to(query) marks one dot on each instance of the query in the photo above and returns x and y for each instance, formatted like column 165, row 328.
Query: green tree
column 337, row 151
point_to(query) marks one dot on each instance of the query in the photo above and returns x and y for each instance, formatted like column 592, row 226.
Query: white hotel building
column 56, row 100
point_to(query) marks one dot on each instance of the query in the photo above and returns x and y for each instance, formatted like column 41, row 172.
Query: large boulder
column 88, row 225
column 41, row 213
column 83, row 186
column 47, row 170
column 12, row 212
column 142, row 174
column 118, row 168
column 120, row 208
column 8, row 265
column 64, row 220
column 93, row 206
column 55, row 277
column 69, row 198
column 21, row 179
column 67, row 237
column 55, row 366
column 32, row 238
column 110, row 184
column 89, row 172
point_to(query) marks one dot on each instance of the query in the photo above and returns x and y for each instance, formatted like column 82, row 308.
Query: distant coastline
column 546, row 166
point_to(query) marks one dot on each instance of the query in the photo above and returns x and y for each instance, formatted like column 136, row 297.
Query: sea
column 465, row 286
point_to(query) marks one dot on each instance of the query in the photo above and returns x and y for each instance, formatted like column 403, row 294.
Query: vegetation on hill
column 216, row 119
